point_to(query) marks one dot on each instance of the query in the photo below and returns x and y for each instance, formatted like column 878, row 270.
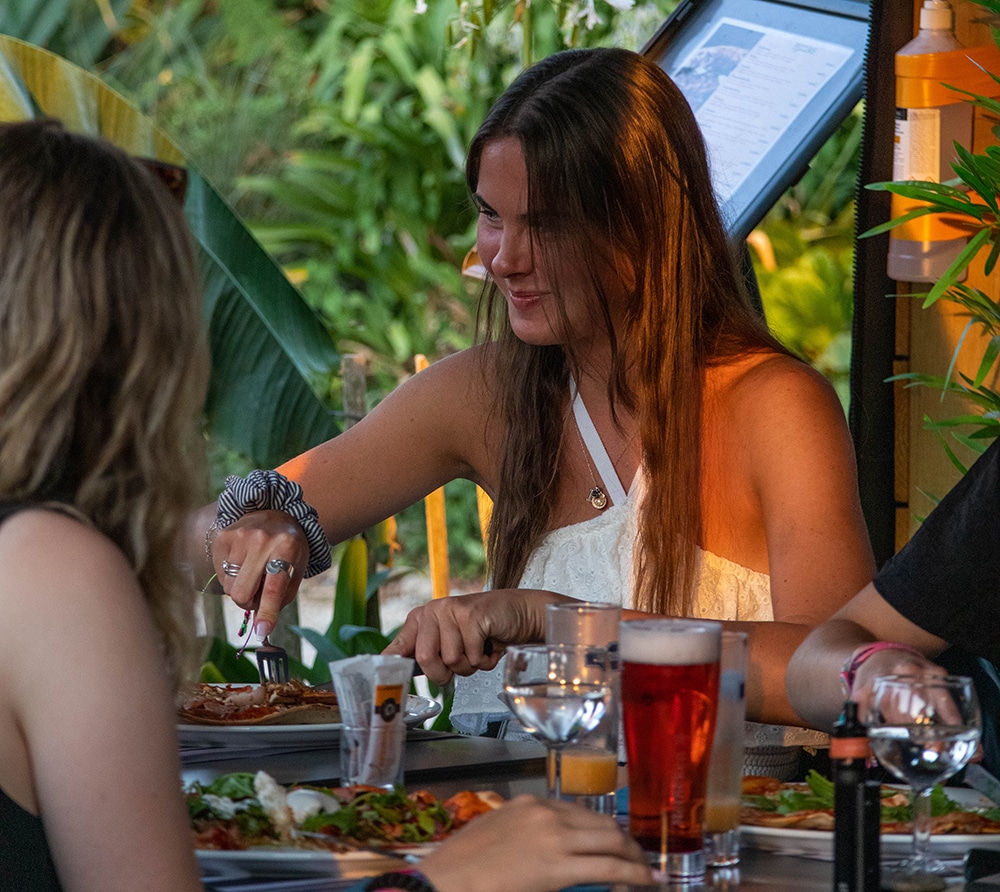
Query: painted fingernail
column 262, row 628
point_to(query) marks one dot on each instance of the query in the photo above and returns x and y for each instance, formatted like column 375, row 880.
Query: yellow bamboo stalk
column 437, row 526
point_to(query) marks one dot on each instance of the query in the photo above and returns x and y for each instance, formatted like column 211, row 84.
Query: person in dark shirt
column 934, row 606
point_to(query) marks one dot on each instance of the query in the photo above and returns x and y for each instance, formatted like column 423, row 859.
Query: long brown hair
column 104, row 364
column 614, row 154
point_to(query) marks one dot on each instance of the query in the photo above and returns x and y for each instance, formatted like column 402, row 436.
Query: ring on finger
column 230, row 569
column 277, row 565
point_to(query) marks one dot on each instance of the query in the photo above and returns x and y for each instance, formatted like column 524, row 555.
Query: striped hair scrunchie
column 271, row 491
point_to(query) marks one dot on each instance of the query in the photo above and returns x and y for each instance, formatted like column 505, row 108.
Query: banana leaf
column 272, row 358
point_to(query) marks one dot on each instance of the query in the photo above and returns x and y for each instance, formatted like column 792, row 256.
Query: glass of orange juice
column 590, row 767
column 725, row 767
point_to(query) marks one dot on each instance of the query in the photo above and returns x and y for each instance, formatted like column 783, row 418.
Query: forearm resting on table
column 813, row 681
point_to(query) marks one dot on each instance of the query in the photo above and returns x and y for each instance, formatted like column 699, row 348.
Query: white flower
column 421, row 7
column 621, row 5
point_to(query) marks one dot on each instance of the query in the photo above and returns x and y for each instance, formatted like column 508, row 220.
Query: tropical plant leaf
column 228, row 664
column 270, row 355
column 273, row 360
column 352, row 584
column 363, row 639
column 986, row 363
column 950, row 276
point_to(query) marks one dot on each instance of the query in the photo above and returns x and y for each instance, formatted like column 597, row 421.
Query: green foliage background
column 339, row 128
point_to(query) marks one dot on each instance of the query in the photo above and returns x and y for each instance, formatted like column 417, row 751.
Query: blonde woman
column 102, row 379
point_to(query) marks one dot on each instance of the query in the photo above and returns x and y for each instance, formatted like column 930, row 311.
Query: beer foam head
column 669, row 642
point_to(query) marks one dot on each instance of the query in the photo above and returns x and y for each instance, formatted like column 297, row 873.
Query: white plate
column 819, row 843
column 418, row 709
column 268, row 862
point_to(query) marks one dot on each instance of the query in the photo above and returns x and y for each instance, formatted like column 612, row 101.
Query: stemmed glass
column 559, row 693
column 923, row 729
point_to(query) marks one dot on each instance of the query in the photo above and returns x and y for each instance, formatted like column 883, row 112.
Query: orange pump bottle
column 930, row 118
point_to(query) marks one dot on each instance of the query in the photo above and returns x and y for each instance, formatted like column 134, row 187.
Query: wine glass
column 923, row 729
column 559, row 693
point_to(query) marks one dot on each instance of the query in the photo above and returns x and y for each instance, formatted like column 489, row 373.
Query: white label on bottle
column 917, row 148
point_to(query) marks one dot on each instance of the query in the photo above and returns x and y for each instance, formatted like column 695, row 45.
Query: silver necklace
column 597, row 496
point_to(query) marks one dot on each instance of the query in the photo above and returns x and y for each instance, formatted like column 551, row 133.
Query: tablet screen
column 769, row 83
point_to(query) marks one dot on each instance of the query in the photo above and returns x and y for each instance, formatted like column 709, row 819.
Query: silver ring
column 230, row 569
column 277, row 565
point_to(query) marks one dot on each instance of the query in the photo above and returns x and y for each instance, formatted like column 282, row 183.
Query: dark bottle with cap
column 856, row 806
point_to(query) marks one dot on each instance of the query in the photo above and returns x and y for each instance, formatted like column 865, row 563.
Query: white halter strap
column 595, row 446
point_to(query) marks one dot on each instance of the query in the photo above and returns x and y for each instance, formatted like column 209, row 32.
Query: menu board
column 769, row 82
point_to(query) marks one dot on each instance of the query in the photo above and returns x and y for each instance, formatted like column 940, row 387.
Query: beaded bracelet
column 860, row 654
column 266, row 491
column 407, row 880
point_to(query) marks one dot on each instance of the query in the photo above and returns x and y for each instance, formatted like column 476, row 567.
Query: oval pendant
column 597, row 498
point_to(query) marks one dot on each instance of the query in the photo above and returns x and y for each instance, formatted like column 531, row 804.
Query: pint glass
column 725, row 768
column 670, row 689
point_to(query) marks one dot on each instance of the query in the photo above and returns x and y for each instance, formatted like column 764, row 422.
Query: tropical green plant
column 387, row 98
column 227, row 80
column 540, row 28
column 803, row 258
column 376, row 216
column 269, row 350
column 77, row 30
column 972, row 201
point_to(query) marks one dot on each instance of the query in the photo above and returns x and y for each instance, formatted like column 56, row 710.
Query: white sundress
column 592, row 561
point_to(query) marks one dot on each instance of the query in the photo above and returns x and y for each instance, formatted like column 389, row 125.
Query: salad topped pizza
column 242, row 810
column 768, row 802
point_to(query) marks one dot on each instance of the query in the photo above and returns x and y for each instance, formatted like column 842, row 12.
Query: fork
column 272, row 663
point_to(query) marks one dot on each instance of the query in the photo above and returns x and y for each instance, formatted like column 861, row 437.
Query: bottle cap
column 936, row 15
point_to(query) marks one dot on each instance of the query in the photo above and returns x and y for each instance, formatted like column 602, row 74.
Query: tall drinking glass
column 582, row 622
column 559, row 693
column 590, row 768
column 670, row 689
column 922, row 728
column 725, row 767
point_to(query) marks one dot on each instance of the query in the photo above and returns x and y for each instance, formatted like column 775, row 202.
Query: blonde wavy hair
column 105, row 364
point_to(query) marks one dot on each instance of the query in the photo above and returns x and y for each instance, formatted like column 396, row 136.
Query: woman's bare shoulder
column 465, row 375
column 764, row 382
column 68, row 582
column 52, row 547
column 778, row 413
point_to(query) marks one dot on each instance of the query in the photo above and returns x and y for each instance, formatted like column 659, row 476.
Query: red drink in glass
column 670, row 689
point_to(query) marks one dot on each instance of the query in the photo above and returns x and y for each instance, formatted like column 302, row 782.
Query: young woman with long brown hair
column 643, row 436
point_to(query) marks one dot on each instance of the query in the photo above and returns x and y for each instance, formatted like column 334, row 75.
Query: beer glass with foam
column 670, row 690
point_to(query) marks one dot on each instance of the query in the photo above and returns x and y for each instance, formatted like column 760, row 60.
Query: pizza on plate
column 287, row 703
column 769, row 802
column 242, row 811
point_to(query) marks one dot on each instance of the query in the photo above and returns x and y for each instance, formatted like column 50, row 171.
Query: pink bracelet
column 862, row 653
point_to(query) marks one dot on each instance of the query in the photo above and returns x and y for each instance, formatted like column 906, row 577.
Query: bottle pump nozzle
column 936, row 15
